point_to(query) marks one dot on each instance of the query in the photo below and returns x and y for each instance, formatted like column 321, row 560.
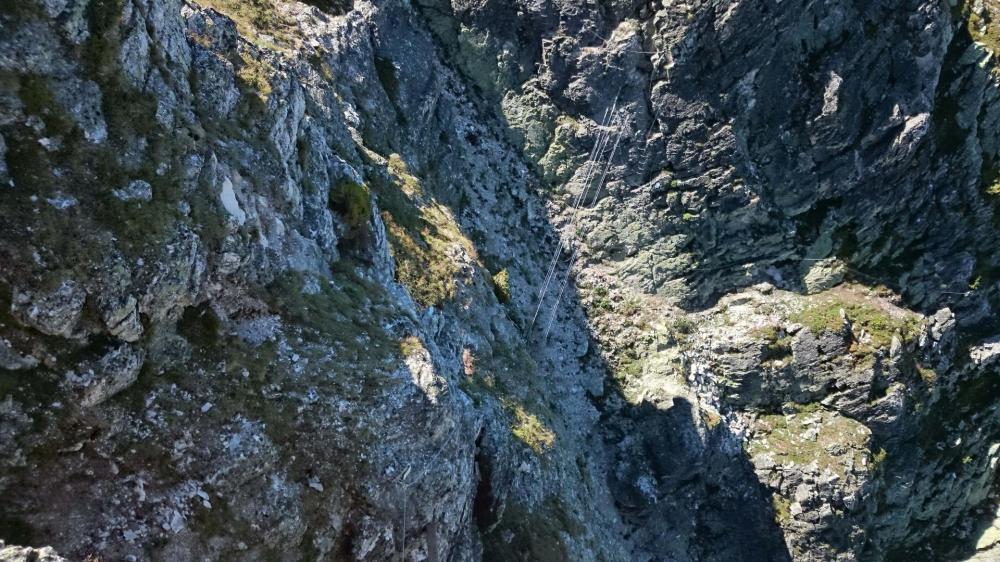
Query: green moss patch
column 530, row 429
column 983, row 29
column 501, row 286
column 824, row 315
column 353, row 202
column 422, row 263
column 782, row 509
column 260, row 21
column 411, row 345
column 830, row 440
column 777, row 343
column 423, row 234
column 253, row 76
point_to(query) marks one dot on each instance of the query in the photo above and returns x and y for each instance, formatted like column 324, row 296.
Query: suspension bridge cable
column 572, row 261
column 588, row 166
column 592, row 164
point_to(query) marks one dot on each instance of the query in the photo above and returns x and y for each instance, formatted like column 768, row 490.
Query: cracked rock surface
column 639, row 280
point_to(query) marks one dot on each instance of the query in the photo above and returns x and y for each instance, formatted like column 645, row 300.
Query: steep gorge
column 337, row 280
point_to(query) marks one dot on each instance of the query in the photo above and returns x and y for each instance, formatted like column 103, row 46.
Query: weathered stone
column 97, row 381
column 10, row 553
column 823, row 275
column 56, row 313
column 122, row 320
column 320, row 168
column 81, row 100
column 137, row 190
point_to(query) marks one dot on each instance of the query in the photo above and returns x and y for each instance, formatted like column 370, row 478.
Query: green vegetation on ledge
column 782, row 509
column 353, row 202
column 501, row 286
column 838, row 444
column 982, row 28
column 424, row 235
column 258, row 20
column 777, row 343
column 529, row 429
column 506, row 377
column 825, row 315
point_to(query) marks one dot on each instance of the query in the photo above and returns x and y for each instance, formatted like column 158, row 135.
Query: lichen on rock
column 502, row 280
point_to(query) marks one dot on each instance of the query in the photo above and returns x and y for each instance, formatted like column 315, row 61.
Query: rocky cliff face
column 534, row 280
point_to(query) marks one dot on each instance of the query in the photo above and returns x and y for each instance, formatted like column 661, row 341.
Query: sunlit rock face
column 503, row 280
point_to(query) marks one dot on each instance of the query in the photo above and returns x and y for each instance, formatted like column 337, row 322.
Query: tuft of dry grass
column 530, row 430
column 259, row 21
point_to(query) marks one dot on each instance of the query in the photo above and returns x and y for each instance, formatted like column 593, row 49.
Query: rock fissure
column 504, row 280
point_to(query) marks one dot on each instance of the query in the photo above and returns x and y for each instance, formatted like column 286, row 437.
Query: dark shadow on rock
column 688, row 491
column 971, row 404
column 812, row 161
